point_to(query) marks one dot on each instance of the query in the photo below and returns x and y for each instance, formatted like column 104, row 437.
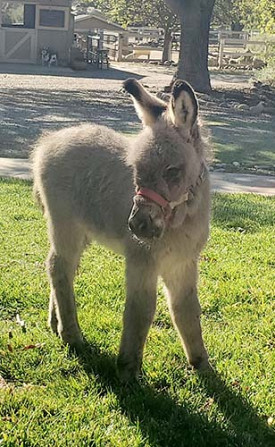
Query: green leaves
column 252, row 14
column 135, row 12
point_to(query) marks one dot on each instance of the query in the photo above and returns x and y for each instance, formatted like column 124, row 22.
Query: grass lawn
column 50, row 397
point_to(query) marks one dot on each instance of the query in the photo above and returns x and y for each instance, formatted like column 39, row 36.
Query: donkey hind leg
column 181, row 288
column 67, row 244
column 53, row 321
column 141, row 284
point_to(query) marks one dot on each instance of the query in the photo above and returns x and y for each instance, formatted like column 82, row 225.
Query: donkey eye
column 172, row 174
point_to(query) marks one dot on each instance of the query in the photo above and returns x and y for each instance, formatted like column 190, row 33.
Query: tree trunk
column 166, row 54
column 195, row 16
column 236, row 26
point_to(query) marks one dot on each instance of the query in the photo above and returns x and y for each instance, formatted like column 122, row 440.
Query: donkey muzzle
column 144, row 222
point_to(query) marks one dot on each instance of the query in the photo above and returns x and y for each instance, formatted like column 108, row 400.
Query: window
column 15, row 14
column 12, row 14
column 52, row 18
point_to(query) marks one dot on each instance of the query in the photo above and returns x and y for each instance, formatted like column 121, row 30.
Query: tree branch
column 175, row 6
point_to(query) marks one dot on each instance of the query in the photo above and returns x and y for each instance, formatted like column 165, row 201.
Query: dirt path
column 35, row 99
column 221, row 182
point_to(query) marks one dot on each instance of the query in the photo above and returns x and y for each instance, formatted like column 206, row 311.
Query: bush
column 267, row 74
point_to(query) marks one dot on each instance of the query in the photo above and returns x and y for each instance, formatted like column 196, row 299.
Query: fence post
column 245, row 38
column 101, row 39
column 221, row 49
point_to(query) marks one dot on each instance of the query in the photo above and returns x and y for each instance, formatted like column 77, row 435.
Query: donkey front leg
column 62, row 309
column 181, row 287
column 141, row 284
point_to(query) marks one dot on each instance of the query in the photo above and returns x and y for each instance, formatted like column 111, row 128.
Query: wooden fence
column 238, row 45
column 222, row 46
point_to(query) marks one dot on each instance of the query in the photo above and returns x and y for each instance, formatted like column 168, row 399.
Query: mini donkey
column 148, row 198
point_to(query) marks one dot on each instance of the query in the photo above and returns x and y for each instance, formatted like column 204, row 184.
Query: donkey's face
column 165, row 158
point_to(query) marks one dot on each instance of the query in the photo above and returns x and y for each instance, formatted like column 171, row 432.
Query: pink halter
column 156, row 198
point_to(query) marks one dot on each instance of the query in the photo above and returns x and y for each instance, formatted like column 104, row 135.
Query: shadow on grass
column 241, row 137
column 165, row 422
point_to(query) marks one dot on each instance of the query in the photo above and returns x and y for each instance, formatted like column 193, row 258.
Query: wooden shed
column 94, row 21
column 28, row 26
column 114, row 38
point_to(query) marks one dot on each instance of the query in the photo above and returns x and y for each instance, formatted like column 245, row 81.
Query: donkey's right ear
column 148, row 107
column 184, row 107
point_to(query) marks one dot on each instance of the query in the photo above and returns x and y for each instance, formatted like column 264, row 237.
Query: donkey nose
column 139, row 225
column 142, row 226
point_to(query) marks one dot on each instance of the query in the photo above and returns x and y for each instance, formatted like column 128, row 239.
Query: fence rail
column 238, row 45
column 223, row 46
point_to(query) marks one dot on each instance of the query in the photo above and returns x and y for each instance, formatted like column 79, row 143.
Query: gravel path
column 220, row 181
column 35, row 99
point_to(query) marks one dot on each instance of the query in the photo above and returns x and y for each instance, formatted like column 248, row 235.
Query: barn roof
column 95, row 13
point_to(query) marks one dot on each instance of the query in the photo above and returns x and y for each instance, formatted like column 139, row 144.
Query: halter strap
column 153, row 196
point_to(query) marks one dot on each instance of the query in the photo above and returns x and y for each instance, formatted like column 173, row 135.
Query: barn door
column 18, row 45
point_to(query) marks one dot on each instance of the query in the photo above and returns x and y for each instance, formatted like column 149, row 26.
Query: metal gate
column 17, row 45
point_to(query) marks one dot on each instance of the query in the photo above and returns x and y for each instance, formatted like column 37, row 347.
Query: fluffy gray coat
column 146, row 197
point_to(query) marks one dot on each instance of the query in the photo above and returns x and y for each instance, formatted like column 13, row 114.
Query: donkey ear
column 183, row 106
column 148, row 107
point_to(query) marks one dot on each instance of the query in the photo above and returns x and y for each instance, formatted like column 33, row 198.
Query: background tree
column 195, row 17
column 248, row 14
column 227, row 13
column 257, row 14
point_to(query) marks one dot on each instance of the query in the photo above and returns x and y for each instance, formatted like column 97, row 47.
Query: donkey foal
column 146, row 197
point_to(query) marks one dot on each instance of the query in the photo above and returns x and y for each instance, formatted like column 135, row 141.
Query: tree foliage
column 250, row 14
column 226, row 13
column 258, row 14
column 154, row 13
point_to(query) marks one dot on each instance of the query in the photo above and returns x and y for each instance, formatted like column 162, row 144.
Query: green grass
column 54, row 398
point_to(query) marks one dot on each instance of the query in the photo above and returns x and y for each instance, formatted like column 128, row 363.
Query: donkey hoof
column 75, row 342
column 77, row 345
column 127, row 371
column 127, row 375
column 201, row 364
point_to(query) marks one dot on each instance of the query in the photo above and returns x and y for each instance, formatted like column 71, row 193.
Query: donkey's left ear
column 183, row 106
column 148, row 107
